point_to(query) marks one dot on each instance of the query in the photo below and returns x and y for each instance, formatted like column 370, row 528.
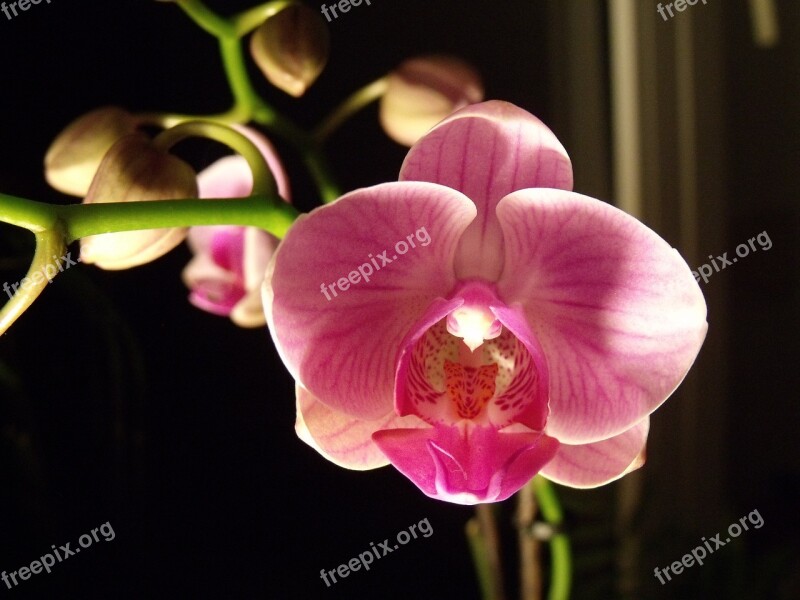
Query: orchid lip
column 469, row 365
column 466, row 465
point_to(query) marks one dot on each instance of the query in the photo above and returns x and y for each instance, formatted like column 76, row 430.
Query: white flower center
column 475, row 324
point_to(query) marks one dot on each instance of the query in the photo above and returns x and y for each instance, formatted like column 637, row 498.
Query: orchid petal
column 343, row 349
column 487, row 151
column 481, row 465
column 249, row 312
column 201, row 237
column 598, row 463
column 213, row 289
column 227, row 270
column 615, row 308
column 258, row 249
column 214, row 275
column 342, row 439
column 228, row 177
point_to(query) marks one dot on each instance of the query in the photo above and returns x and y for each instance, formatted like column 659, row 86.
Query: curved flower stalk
column 529, row 330
column 139, row 169
column 49, row 244
column 227, row 271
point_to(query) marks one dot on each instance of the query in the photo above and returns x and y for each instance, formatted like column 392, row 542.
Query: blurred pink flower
column 228, row 268
column 535, row 333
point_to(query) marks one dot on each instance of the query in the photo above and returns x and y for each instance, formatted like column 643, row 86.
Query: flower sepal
column 73, row 158
column 136, row 169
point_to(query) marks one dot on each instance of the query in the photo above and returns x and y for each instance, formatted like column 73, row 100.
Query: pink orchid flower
column 535, row 332
column 228, row 268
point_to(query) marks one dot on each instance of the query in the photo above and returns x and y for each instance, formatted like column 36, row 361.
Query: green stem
column 268, row 213
column 311, row 155
column 309, row 151
column 49, row 244
column 318, row 168
column 28, row 214
column 477, row 546
column 354, row 103
column 250, row 19
column 207, row 19
column 560, row 553
column 484, row 543
column 80, row 220
column 480, row 558
column 530, row 569
column 263, row 178
column 56, row 226
column 166, row 120
column 251, row 104
column 248, row 105
column 245, row 97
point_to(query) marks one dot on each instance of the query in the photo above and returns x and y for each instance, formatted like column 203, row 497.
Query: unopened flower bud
column 135, row 170
column 422, row 92
column 291, row 48
column 73, row 157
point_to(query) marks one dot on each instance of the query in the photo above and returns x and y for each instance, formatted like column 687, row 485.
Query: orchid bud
column 423, row 91
column 72, row 159
column 134, row 169
column 291, row 48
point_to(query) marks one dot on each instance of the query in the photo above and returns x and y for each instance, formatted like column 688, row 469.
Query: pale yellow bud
column 73, row 157
column 291, row 48
column 136, row 170
column 423, row 91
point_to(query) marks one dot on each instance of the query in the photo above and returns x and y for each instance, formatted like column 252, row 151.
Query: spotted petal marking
column 470, row 388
